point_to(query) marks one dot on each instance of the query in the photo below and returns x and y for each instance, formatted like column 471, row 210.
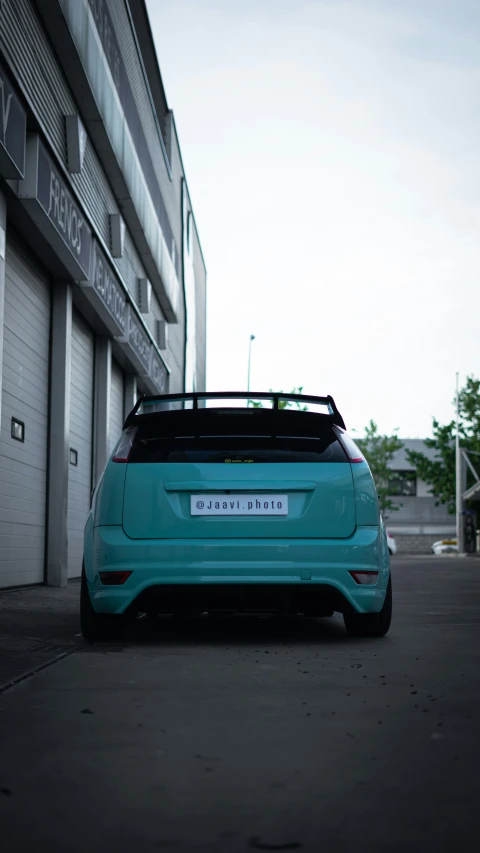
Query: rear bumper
column 320, row 567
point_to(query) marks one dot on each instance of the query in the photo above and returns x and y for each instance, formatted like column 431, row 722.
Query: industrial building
column 102, row 277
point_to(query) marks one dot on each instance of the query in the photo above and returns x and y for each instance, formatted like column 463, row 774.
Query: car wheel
column 97, row 626
column 371, row 624
column 390, row 552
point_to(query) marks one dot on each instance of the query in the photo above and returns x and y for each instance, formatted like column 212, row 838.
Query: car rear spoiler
column 196, row 398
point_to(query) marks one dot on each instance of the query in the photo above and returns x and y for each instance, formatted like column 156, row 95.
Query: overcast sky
column 332, row 152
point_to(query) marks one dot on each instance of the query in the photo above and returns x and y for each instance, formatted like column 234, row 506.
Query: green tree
column 284, row 404
column 439, row 473
column 379, row 451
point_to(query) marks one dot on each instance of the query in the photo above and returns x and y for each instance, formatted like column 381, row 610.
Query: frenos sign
column 105, row 292
column 61, row 208
column 57, row 214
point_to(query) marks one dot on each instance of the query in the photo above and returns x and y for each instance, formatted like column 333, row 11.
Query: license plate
column 239, row 505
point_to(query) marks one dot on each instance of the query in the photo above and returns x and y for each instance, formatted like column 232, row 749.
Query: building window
column 18, row 430
column 402, row 484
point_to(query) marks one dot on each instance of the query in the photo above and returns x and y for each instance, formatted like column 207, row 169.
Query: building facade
column 102, row 277
column 417, row 522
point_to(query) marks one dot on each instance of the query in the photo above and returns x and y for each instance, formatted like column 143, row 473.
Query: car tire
column 93, row 625
column 390, row 552
column 371, row 624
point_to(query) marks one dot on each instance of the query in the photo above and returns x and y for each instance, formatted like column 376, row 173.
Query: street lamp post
column 252, row 338
column 459, row 478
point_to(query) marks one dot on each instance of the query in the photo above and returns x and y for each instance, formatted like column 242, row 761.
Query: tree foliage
column 439, row 473
column 284, row 404
column 379, row 451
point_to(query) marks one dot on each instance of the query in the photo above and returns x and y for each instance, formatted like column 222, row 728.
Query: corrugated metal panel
column 29, row 51
column 116, row 405
column 81, row 428
column 168, row 188
column 23, row 466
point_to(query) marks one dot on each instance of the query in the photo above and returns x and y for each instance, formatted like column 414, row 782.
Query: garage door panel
column 11, row 479
column 12, row 496
column 77, row 417
column 24, row 454
column 81, row 483
column 22, row 335
column 14, row 356
column 81, row 425
column 19, row 258
column 28, row 548
column 34, row 406
column 28, row 554
column 25, row 391
column 34, row 420
column 19, row 573
column 25, row 329
column 10, row 533
column 17, row 511
column 32, row 544
column 25, row 387
column 83, row 457
column 19, row 383
column 25, row 460
column 20, row 289
column 78, row 518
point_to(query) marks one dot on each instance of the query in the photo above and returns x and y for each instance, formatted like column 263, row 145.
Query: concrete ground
column 247, row 734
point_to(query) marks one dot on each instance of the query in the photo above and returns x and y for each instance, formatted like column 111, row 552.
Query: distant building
column 418, row 522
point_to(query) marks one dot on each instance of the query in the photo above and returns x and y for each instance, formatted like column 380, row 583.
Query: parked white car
column 392, row 545
column 445, row 546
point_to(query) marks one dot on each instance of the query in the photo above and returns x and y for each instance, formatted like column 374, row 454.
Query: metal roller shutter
column 23, row 464
column 81, row 440
column 116, row 405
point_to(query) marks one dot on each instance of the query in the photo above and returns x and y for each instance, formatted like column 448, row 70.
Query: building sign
column 136, row 343
column 52, row 206
column 158, row 374
column 13, row 124
column 139, row 341
column 62, row 211
column 106, row 293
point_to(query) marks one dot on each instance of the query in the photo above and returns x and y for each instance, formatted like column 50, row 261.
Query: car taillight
column 351, row 449
column 369, row 578
column 112, row 578
column 389, row 535
column 125, row 445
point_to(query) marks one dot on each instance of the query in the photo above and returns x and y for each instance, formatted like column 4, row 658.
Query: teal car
column 220, row 503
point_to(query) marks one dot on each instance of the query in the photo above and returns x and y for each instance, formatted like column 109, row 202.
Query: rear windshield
column 150, row 446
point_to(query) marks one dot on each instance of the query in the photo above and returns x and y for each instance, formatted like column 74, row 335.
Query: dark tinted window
column 149, row 446
column 403, row 483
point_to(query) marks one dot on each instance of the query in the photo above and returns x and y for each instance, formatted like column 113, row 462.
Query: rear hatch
column 237, row 473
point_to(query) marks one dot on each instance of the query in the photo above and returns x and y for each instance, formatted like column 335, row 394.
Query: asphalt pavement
column 245, row 734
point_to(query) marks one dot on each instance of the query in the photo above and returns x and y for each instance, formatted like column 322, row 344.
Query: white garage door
column 116, row 405
column 23, row 460
column 81, row 440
